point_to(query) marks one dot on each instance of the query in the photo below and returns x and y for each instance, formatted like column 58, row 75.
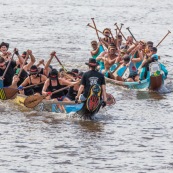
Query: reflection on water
column 149, row 95
column 91, row 126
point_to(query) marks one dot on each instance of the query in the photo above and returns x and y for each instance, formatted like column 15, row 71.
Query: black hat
column 4, row 44
column 53, row 75
column 24, row 53
column 92, row 62
column 154, row 49
column 80, row 75
column 33, row 69
column 75, row 71
column 71, row 73
column 61, row 69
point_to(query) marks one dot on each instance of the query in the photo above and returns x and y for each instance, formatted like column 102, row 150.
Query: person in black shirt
column 90, row 78
column 10, row 72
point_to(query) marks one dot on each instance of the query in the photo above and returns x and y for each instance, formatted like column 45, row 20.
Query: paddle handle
column 60, row 63
column 163, row 38
column 94, row 28
column 68, row 76
column 131, row 33
column 121, row 27
column 30, row 86
column 120, row 31
column 97, row 32
column 114, row 40
column 65, row 87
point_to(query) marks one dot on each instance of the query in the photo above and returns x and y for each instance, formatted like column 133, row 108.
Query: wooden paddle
column 97, row 32
column 119, row 30
column 9, row 93
column 131, row 33
column 110, row 99
column 65, row 71
column 94, row 28
column 163, row 38
column 60, row 63
column 34, row 100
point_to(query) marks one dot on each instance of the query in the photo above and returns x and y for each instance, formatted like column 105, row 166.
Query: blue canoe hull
column 61, row 107
column 144, row 84
column 68, row 108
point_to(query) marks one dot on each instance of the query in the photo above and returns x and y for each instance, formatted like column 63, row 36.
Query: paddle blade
column 110, row 99
column 7, row 93
column 33, row 101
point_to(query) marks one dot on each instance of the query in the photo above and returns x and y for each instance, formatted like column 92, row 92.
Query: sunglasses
column 107, row 32
column 33, row 74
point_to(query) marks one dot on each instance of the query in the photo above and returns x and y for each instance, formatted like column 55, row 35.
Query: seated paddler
column 128, row 72
column 35, row 80
column 110, row 60
column 152, row 57
column 54, row 83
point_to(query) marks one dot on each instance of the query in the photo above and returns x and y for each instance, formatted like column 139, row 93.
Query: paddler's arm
column 94, row 52
column 104, row 42
column 63, row 81
column 46, row 68
column 81, row 88
column 100, row 56
column 104, row 93
column 43, row 78
column 21, row 60
column 140, row 58
column 28, row 66
column 46, row 84
column 25, row 82
column 131, row 48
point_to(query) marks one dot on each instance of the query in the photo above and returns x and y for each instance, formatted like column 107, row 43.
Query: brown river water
column 133, row 136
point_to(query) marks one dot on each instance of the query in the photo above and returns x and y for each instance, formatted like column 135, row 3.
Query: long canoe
column 151, row 83
column 59, row 106
column 154, row 78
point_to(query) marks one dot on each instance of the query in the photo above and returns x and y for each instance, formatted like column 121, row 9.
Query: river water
column 133, row 136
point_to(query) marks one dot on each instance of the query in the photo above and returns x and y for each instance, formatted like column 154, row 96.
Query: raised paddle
column 121, row 27
column 163, row 38
column 60, row 63
column 97, row 33
column 114, row 40
column 34, row 100
column 94, row 28
column 65, row 71
column 131, row 33
column 120, row 31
